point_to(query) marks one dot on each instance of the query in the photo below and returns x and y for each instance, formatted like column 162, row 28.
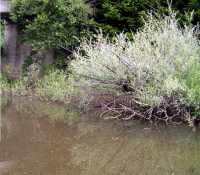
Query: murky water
column 85, row 145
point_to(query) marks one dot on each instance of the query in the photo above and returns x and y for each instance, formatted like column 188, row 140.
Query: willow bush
column 162, row 59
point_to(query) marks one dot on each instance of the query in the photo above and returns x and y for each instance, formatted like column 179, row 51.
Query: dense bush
column 51, row 24
column 127, row 15
column 160, row 60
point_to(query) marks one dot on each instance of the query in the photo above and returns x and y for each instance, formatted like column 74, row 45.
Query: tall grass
column 162, row 59
column 55, row 85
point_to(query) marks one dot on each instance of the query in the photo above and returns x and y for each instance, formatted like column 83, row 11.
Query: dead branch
column 169, row 111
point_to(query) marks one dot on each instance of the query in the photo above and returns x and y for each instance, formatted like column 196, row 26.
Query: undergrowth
column 52, row 86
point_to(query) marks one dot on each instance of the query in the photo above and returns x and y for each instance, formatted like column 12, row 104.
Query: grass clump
column 163, row 59
column 12, row 86
column 55, row 85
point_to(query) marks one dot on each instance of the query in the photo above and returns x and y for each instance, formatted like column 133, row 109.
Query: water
column 86, row 145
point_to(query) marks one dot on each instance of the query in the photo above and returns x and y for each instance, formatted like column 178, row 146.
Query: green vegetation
column 1, row 33
column 51, row 24
column 127, row 15
column 53, row 86
column 61, row 23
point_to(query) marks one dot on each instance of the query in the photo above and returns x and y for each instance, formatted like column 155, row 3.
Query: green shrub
column 50, row 24
column 192, row 81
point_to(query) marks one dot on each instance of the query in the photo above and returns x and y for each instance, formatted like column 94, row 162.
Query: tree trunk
column 11, row 43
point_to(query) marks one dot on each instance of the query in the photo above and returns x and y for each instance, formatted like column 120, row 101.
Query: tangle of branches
column 125, row 107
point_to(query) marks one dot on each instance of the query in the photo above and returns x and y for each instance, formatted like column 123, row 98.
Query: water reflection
column 85, row 146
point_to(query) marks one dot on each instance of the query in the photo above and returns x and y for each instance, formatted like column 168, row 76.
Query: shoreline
column 194, row 123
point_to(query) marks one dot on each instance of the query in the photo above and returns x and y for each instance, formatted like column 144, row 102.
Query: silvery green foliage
column 154, row 61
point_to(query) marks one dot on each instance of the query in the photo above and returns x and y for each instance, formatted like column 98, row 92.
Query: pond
column 40, row 138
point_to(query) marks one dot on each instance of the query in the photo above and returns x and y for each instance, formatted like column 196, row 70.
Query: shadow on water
column 37, row 141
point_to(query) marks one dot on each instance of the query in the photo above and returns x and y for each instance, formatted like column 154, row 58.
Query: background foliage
column 47, row 23
column 51, row 24
column 127, row 15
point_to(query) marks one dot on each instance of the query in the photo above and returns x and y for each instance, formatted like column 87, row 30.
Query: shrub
column 50, row 24
column 160, row 60
column 54, row 86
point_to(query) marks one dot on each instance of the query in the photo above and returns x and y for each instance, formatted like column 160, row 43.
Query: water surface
column 37, row 140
